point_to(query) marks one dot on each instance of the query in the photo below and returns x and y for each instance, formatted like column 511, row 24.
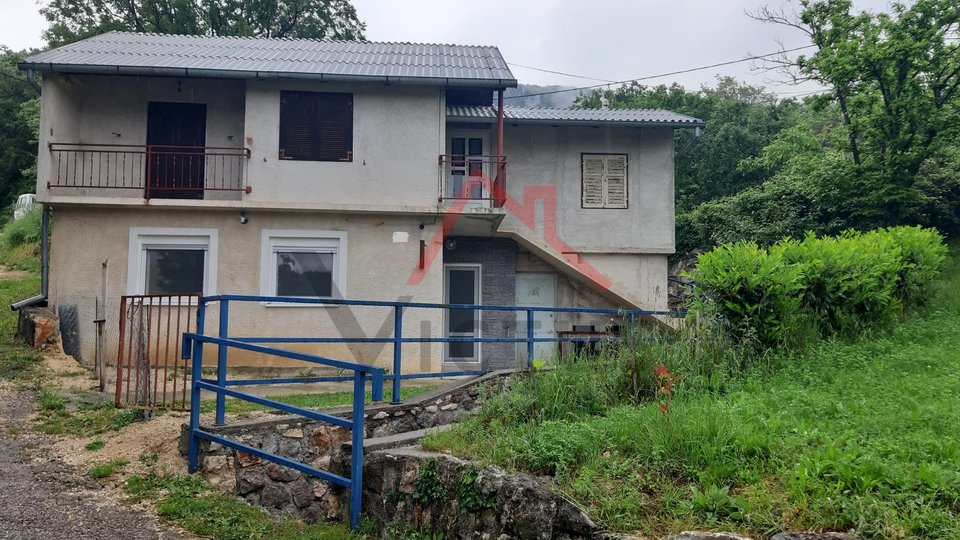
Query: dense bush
column 922, row 255
column 23, row 231
column 830, row 285
column 749, row 293
column 848, row 281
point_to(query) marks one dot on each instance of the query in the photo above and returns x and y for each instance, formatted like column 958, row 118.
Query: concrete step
column 408, row 438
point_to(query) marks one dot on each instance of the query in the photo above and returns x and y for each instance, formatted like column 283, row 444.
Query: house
column 380, row 171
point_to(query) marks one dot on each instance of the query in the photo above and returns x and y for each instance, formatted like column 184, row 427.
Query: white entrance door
column 461, row 286
column 466, row 168
column 538, row 290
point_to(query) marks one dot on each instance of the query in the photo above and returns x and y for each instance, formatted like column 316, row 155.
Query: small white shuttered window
column 604, row 180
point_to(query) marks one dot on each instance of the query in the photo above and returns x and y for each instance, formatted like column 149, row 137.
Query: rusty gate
column 150, row 373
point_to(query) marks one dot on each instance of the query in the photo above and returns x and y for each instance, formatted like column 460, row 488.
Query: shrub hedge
column 816, row 287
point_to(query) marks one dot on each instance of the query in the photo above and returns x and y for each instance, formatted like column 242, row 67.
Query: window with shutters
column 316, row 126
column 604, row 179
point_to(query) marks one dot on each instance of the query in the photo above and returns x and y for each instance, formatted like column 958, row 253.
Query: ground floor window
column 306, row 264
column 172, row 261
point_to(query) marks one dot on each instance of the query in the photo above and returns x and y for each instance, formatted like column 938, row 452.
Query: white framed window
column 305, row 264
column 604, row 180
column 172, row 261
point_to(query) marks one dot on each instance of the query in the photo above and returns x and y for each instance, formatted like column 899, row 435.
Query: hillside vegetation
column 857, row 431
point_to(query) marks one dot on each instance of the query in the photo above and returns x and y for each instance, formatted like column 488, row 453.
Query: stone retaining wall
column 408, row 489
column 321, row 445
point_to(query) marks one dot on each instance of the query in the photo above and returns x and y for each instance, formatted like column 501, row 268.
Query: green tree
column 895, row 78
column 18, row 131
column 741, row 120
column 72, row 20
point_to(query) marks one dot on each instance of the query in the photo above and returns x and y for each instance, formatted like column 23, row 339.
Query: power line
column 689, row 70
column 561, row 73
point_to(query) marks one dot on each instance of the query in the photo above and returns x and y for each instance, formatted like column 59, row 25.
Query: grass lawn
column 312, row 401
column 859, row 435
column 193, row 504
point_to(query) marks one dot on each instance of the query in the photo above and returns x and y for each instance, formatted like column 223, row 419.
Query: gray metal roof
column 521, row 115
column 243, row 57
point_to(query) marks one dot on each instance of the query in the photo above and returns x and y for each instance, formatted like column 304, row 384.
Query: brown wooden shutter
column 615, row 177
column 316, row 126
column 592, row 195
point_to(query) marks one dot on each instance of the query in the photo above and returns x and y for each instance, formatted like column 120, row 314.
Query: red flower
column 660, row 370
column 664, row 407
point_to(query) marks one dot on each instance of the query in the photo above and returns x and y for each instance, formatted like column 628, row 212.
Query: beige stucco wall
column 98, row 109
column 398, row 133
column 377, row 268
column 550, row 156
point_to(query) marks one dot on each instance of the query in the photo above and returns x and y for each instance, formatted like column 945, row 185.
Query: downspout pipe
column 32, row 81
column 500, row 191
column 40, row 299
column 689, row 143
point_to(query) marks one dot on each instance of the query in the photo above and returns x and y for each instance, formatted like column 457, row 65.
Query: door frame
column 478, row 290
column 201, row 111
column 467, row 133
column 521, row 349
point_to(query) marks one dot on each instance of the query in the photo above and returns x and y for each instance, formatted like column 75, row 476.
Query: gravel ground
column 47, row 499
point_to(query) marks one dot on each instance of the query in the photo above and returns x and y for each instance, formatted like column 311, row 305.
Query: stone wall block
column 274, row 496
column 279, row 473
column 302, row 493
column 250, row 479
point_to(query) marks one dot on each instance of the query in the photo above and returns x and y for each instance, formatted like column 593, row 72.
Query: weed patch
column 106, row 470
column 191, row 503
column 95, row 445
column 88, row 419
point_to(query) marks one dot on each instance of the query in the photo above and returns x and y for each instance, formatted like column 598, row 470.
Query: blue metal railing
column 193, row 349
column 397, row 339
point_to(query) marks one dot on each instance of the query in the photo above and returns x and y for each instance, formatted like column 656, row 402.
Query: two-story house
column 380, row 171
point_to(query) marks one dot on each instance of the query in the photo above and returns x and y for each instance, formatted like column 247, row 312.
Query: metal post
column 397, row 351
column 197, row 367
column 529, row 338
column 146, row 185
column 222, row 360
column 356, row 459
column 500, row 190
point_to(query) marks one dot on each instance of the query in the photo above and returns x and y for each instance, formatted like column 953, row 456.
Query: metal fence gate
column 150, row 373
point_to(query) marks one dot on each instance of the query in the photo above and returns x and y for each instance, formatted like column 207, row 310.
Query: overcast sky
column 607, row 39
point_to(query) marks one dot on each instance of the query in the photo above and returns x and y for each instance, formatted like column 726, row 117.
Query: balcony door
column 466, row 168
column 176, row 135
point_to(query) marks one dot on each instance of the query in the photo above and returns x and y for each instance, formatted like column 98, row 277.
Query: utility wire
column 730, row 62
column 561, row 73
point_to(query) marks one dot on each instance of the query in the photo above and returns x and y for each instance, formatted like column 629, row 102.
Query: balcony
column 473, row 181
column 163, row 172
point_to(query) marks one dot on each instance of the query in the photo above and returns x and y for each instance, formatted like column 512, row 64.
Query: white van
column 24, row 204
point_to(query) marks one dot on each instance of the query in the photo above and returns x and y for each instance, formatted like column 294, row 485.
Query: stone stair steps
column 407, row 438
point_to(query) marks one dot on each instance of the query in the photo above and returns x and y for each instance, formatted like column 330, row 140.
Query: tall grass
column 854, row 434
column 22, row 231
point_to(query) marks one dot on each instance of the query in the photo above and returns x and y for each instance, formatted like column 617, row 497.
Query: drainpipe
column 44, row 265
column 32, row 81
column 500, row 190
column 689, row 143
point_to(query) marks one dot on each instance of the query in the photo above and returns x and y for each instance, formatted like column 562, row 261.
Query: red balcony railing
column 174, row 172
column 473, row 179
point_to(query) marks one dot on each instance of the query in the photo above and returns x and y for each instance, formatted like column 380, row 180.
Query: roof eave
column 581, row 123
column 244, row 74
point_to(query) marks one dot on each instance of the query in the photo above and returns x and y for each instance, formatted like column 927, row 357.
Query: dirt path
column 43, row 497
